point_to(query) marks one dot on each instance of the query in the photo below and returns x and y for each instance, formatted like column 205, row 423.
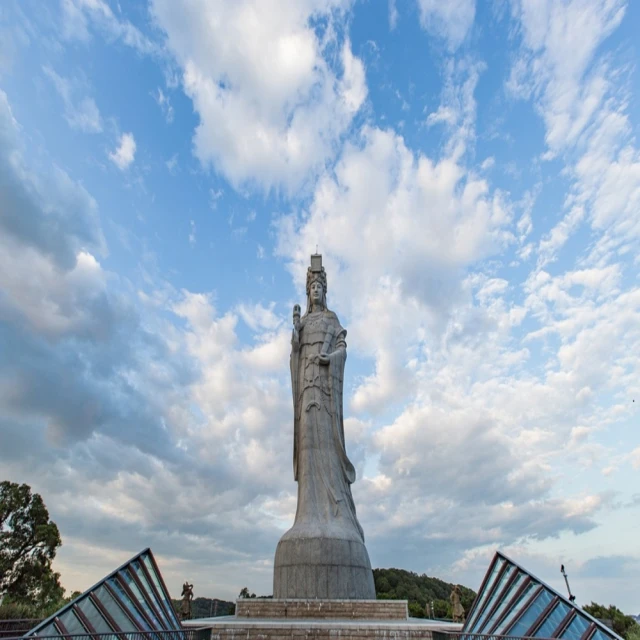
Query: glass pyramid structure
column 132, row 598
column 513, row 602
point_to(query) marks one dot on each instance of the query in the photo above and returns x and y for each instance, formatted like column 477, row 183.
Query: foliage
column 208, row 607
column 398, row 584
column 633, row 633
column 16, row 611
column 623, row 625
column 28, row 544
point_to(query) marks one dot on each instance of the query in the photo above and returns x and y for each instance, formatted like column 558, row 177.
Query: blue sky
column 471, row 174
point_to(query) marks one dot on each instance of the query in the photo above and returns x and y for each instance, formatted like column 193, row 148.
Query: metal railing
column 174, row 634
column 17, row 626
column 441, row 634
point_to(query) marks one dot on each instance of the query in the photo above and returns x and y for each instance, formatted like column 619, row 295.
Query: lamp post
column 566, row 579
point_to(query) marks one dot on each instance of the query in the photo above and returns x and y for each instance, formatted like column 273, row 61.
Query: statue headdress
column 316, row 273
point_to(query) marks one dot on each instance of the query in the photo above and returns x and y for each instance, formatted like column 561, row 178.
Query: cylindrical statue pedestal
column 325, row 568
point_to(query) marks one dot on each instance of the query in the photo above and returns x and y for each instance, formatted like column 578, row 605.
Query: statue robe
column 321, row 467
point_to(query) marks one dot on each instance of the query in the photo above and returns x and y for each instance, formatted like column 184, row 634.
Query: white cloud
column 271, row 105
column 458, row 107
column 125, row 153
column 164, row 408
column 450, row 21
column 259, row 317
column 420, row 223
column 82, row 114
column 393, row 15
column 559, row 41
column 78, row 16
column 583, row 106
column 214, row 196
column 172, row 164
column 164, row 103
column 192, row 233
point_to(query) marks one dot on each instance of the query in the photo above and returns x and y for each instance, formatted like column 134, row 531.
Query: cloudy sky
column 470, row 172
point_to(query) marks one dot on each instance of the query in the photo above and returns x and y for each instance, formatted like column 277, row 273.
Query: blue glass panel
column 482, row 596
column 168, row 604
column 94, row 616
column 601, row 635
column 157, row 625
column 482, row 618
column 577, row 627
column 150, row 594
column 555, row 617
column 114, row 609
column 49, row 630
column 505, row 601
column 72, row 624
column 131, row 609
column 517, row 607
column 531, row 614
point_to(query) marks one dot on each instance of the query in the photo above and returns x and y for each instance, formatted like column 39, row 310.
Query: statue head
column 316, row 283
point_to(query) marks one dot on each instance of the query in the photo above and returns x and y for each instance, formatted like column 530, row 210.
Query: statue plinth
column 325, row 568
column 323, row 555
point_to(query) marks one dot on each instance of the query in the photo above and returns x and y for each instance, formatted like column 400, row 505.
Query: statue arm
column 340, row 348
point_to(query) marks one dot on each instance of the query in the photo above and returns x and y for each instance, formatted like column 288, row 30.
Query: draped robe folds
column 323, row 555
column 321, row 467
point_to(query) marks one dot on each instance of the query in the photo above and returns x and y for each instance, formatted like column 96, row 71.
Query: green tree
column 28, row 544
column 623, row 625
column 633, row 633
column 441, row 609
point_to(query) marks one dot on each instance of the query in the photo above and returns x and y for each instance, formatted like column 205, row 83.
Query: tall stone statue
column 323, row 555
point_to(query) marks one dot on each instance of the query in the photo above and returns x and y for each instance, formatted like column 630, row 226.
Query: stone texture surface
column 325, row 568
column 323, row 554
column 230, row 628
column 321, row 609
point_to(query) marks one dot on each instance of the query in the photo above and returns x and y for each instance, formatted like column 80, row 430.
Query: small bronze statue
column 185, row 605
column 457, row 610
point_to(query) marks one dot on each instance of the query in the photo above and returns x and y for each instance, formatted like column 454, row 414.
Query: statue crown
column 316, row 273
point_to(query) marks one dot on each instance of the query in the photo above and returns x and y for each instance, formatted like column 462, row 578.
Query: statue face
column 316, row 292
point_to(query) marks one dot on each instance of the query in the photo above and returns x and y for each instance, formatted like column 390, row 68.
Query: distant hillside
column 207, row 608
column 398, row 584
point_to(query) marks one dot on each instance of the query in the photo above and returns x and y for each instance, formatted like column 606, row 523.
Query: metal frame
column 564, row 623
column 169, row 615
column 163, row 585
column 507, row 585
column 494, row 588
column 485, row 580
column 184, row 634
column 116, row 596
column 524, row 608
column 105, row 614
column 482, row 599
column 537, row 623
column 514, row 598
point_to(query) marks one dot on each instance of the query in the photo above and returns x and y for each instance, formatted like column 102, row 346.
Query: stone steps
column 251, row 608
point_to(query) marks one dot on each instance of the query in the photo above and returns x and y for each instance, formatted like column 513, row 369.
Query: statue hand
column 323, row 358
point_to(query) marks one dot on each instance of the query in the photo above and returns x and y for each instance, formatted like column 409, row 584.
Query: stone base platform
column 251, row 608
column 279, row 619
column 232, row 628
